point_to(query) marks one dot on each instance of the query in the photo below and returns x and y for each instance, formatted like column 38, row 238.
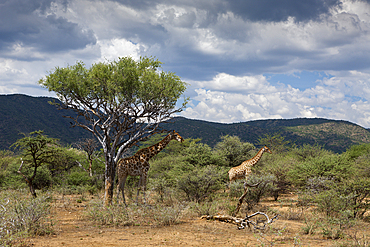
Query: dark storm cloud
column 261, row 10
column 272, row 10
column 25, row 22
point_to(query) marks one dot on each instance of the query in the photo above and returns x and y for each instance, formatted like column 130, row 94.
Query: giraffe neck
column 156, row 148
column 255, row 159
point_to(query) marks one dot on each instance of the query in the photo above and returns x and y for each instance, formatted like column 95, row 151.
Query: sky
column 242, row 59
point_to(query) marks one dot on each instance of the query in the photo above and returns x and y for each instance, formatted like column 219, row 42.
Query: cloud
column 276, row 11
column 242, row 58
column 342, row 96
column 33, row 25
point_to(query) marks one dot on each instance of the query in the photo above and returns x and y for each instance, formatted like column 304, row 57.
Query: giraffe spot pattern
column 138, row 164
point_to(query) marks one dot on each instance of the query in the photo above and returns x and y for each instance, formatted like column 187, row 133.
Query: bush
column 236, row 188
column 331, row 166
column 14, row 180
column 201, row 182
column 134, row 215
column 337, row 199
column 255, row 194
column 77, row 178
column 278, row 166
column 22, row 217
column 233, row 151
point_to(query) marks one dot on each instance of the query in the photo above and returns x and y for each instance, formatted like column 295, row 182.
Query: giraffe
column 138, row 165
column 242, row 171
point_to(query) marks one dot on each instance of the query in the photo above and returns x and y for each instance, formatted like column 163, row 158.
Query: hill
column 333, row 135
column 24, row 114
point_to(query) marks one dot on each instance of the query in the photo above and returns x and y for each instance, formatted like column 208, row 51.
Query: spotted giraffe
column 138, row 165
column 242, row 171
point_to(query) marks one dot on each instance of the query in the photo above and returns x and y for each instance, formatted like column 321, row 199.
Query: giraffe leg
column 143, row 186
column 121, row 186
column 138, row 189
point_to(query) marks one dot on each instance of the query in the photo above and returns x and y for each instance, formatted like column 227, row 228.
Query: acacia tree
column 36, row 150
column 120, row 102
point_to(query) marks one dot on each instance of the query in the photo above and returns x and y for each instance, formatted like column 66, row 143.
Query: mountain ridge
column 23, row 114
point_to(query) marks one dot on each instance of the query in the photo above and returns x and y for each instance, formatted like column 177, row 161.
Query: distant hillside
column 333, row 135
column 24, row 114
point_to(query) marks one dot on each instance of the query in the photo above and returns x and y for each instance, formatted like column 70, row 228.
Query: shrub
column 336, row 199
column 236, row 188
column 330, row 166
column 22, row 217
column 77, row 178
column 201, row 182
column 233, row 151
column 255, row 194
column 159, row 185
column 204, row 208
column 278, row 166
column 134, row 215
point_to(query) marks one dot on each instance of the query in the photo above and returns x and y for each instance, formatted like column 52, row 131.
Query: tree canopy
column 36, row 150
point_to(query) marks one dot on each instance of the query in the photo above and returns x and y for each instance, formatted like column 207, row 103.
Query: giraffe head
column 176, row 136
column 266, row 149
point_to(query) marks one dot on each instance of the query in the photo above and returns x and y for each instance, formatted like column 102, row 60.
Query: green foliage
column 123, row 82
column 6, row 158
column 64, row 161
column 278, row 166
column 201, row 182
column 199, row 154
column 335, row 199
column 360, row 155
column 358, row 150
column 276, row 143
column 77, row 178
column 233, row 150
column 329, row 165
column 255, row 194
column 36, row 150
column 308, row 151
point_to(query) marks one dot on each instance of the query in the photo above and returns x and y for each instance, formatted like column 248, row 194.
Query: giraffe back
column 133, row 166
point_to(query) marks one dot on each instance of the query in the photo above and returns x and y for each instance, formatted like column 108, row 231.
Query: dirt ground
column 72, row 229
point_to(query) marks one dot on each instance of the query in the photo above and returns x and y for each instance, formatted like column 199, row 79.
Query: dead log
column 247, row 221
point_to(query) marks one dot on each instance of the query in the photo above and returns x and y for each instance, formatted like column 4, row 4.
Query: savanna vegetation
column 330, row 191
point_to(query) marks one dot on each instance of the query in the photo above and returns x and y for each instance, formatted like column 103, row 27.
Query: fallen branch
column 247, row 221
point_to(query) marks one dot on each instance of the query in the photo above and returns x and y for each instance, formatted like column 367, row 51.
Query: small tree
column 36, row 150
column 276, row 143
column 233, row 150
column 121, row 103
column 89, row 146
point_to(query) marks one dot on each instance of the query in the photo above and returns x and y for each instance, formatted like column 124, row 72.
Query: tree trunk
column 32, row 189
column 90, row 165
column 28, row 180
column 240, row 202
column 110, row 173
